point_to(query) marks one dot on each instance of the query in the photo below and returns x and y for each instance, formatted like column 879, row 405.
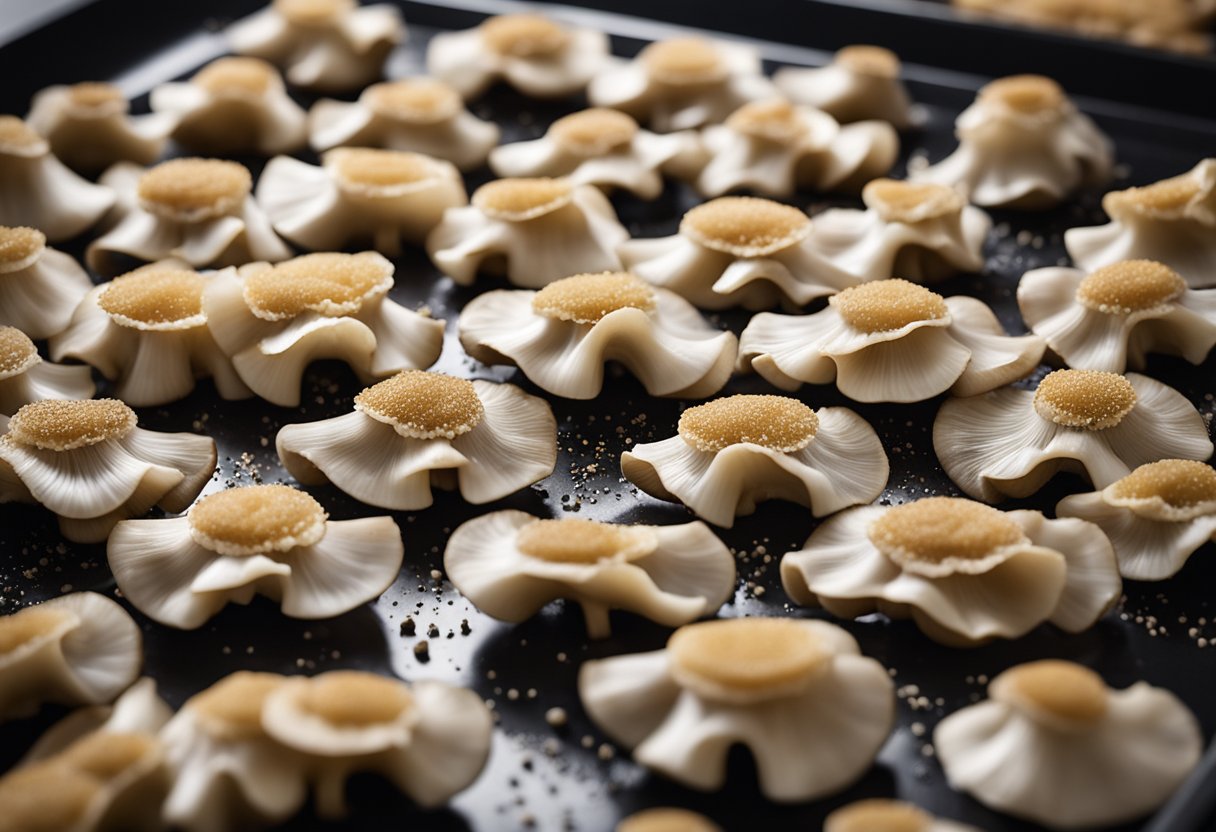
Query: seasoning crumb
column 556, row 717
column 408, row 627
column 422, row 651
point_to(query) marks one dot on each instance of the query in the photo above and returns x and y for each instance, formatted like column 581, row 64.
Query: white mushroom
column 1010, row 442
column 1156, row 517
column 430, row 739
column 273, row 321
column 228, row 773
column 89, row 126
column 138, row 710
column 419, row 115
column 1055, row 745
column 25, row 377
column 562, row 336
column 417, row 430
column 359, row 196
column 38, row 190
column 735, row 452
column 510, row 565
column 232, row 106
column 196, row 210
column 267, row 540
column 774, row 148
column 39, row 286
column 146, row 333
column 798, row 693
column 890, row 341
column 77, row 649
column 738, row 251
column 87, row 462
column 919, row 231
column 1023, row 144
column 682, row 83
column 1111, row 318
column 536, row 56
column 862, row 82
column 878, row 815
column 964, row 572
column 327, row 45
column 1172, row 222
column 602, row 147
column 533, row 230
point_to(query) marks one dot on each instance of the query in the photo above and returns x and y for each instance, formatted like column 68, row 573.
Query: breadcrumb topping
column 367, row 170
column 30, row 624
column 1169, row 199
column 1084, row 398
column 939, row 536
column 17, row 352
column 256, row 519
column 193, row 189
column 231, row 709
column 16, row 136
column 155, row 299
column 888, row 305
column 1181, row 489
column 63, row 425
column 313, row 12
column 517, row 200
column 327, row 283
column 423, row 405
column 587, row 298
column 874, row 61
column 20, row 247
column 779, row 423
column 745, row 226
column 1130, row 286
column 239, row 76
column 878, row 815
column 895, row 200
column 776, row 120
column 524, row 35
column 95, row 99
column 683, row 61
column 746, row 654
column 594, row 132
column 1062, row 689
column 1025, row 94
column 574, row 540
column 356, row 699
column 413, row 100
column 667, row 819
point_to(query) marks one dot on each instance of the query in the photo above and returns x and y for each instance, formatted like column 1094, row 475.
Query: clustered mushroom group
column 208, row 277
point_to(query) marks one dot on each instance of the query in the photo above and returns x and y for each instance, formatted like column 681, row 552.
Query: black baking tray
column 531, row 782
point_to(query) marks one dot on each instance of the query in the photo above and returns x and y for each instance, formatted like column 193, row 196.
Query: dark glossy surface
column 557, row 778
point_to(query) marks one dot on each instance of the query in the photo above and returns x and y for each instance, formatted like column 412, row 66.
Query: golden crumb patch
column 939, row 536
column 313, row 12
column 747, row 655
column 17, row 352
column 779, row 423
column 745, row 226
column 1130, row 286
column 872, row 61
column 423, row 405
column 368, row 170
column 355, row 699
column 594, row 132
column 587, row 298
column 106, row 754
column 517, row 200
column 231, row 709
column 31, row 624
column 888, row 305
column 775, row 120
column 155, row 299
column 20, row 247
column 18, row 137
column 1172, row 490
column 524, row 35
column 327, row 283
column 667, row 819
column 683, row 61
column 1084, row 398
column 257, row 519
column 574, row 540
column 96, row 98
column 238, row 76
column 195, row 189
column 1026, row 94
column 896, row 200
column 1060, row 690
column 878, row 815
column 414, row 100
column 46, row 797
column 62, row 425
column 1168, row 199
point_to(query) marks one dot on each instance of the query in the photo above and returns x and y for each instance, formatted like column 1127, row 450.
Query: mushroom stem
column 387, row 240
column 596, row 616
column 331, row 794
